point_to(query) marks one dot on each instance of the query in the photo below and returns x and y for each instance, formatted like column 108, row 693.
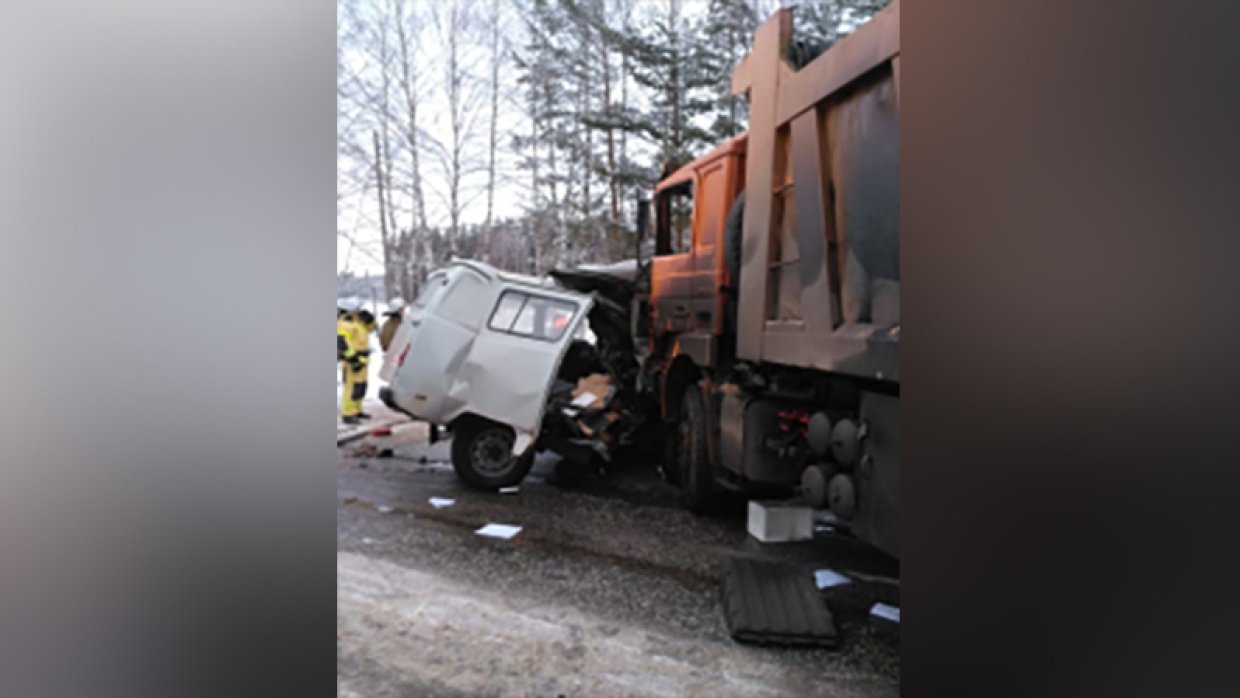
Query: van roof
column 494, row 274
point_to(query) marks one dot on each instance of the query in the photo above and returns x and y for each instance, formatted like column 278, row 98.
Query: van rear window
column 528, row 315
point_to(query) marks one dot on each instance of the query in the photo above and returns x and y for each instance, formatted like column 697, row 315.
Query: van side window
column 532, row 316
column 506, row 311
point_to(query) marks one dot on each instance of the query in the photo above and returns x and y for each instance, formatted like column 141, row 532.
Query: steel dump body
column 819, row 281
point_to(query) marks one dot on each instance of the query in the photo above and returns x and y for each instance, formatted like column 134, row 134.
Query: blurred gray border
column 166, row 203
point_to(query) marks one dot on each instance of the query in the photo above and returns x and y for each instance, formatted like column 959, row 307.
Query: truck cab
column 689, row 272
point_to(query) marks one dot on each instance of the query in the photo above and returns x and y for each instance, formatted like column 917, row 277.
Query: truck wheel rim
column 492, row 453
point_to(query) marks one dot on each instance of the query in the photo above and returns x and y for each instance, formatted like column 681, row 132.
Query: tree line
column 520, row 132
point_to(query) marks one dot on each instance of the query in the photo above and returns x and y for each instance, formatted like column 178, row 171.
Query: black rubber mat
column 775, row 603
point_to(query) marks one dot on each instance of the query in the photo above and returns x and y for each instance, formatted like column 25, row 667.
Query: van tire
column 478, row 449
column 697, row 475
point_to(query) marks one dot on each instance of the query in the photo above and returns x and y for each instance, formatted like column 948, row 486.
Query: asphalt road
column 609, row 589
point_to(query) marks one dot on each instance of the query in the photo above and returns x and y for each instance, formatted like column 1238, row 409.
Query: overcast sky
column 357, row 214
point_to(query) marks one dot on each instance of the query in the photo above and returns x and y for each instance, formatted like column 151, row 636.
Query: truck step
column 775, row 603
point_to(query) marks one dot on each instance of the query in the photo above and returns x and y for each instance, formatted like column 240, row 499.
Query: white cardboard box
column 775, row 522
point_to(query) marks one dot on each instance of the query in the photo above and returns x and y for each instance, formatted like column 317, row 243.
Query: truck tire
column 482, row 454
column 669, row 459
column 697, row 477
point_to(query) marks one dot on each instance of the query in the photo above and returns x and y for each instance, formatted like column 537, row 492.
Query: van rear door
column 508, row 374
column 398, row 350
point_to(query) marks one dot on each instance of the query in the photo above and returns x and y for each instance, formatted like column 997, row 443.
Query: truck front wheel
column 697, row 478
column 482, row 454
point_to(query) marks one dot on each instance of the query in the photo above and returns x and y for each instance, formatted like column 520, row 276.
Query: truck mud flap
column 775, row 603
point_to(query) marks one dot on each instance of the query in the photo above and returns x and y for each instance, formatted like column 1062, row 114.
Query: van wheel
column 482, row 454
column 697, row 477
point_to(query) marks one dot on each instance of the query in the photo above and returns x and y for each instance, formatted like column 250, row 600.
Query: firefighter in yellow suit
column 342, row 344
column 356, row 332
column 344, row 327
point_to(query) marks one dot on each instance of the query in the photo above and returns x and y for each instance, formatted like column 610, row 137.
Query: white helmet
column 396, row 305
column 352, row 304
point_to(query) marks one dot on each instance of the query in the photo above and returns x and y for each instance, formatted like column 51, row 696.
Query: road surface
column 610, row 589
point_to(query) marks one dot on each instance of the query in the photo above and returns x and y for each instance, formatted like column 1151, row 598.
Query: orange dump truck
column 771, row 313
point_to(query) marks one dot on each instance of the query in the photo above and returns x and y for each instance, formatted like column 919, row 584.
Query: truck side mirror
column 643, row 224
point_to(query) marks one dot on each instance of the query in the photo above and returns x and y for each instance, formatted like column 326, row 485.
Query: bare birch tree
column 496, row 61
column 413, row 241
column 457, row 29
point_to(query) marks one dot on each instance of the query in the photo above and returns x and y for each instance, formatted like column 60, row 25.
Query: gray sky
column 357, row 213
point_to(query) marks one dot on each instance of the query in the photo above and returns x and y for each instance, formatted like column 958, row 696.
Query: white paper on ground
column 441, row 502
column 493, row 530
column 829, row 578
column 882, row 610
column 384, row 509
column 510, row 490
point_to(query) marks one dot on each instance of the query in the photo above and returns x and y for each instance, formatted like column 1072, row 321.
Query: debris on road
column 373, row 451
column 493, row 530
column 441, row 502
column 385, row 509
column 889, row 613
column 826, row 578
column 774, row 603
column 777, row 522
column 510, row 490
column 826, row 522
column 590, row 390
column 382, row 431
column 584, row 400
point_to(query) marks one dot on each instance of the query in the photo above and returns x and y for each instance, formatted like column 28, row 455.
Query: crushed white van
column 502, row 360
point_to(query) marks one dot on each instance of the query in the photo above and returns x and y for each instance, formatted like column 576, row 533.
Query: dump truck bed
column 819, row 280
